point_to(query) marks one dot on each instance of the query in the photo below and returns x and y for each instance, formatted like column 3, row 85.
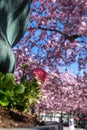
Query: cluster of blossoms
column 40, row 75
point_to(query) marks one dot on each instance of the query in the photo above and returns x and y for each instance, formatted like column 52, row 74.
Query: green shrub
column 20, row 96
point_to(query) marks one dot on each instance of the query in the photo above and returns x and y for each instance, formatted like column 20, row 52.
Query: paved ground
column 67, row 128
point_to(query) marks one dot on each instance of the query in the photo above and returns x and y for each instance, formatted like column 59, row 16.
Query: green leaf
column 19, row 89
column 6, row 93
column 2, row 92
column 1, row 75
column 4, row 101
column 10, row 77
column 8, row 81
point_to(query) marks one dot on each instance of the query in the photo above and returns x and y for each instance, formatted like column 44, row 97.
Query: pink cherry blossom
column 60, row 48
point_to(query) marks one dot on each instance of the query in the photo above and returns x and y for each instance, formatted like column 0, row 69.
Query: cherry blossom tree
column 56, row 40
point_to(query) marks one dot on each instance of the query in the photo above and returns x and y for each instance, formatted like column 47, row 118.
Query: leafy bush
column 20, row 96
column 9, row 90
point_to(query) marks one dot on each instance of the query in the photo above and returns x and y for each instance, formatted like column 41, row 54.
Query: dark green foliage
column 31, row 94
column 9, row 90
column 19, row 96
column 32, row 90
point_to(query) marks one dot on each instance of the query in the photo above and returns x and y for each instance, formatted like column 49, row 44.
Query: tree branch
column 71, row 38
